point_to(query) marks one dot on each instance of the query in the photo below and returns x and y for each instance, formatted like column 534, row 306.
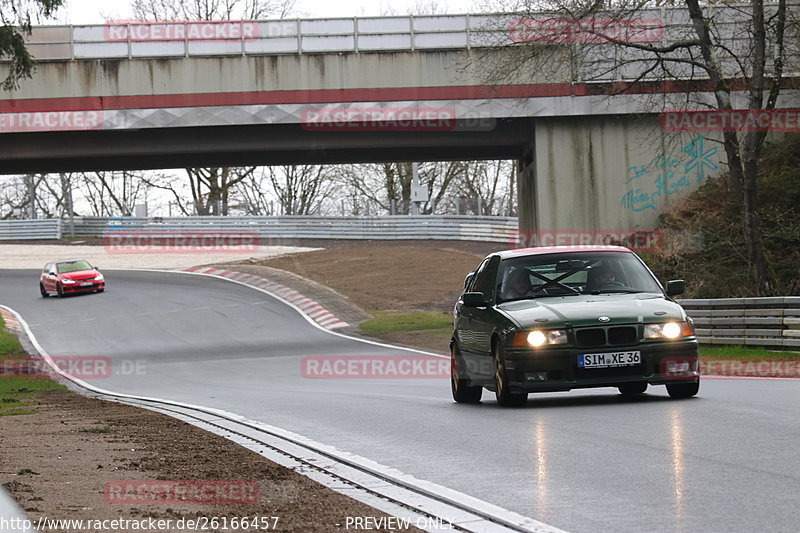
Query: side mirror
column 473, row 299
column 676, row 287
column 468, row 278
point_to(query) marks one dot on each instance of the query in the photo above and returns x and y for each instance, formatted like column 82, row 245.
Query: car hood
column 585, row 310
column 79, row 274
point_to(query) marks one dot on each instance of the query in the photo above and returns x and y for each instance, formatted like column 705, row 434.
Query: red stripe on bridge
column 321, row 96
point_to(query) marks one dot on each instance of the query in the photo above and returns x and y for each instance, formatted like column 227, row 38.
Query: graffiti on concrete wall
column 665, row 175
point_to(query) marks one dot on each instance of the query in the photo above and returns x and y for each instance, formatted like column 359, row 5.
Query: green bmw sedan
column 560, row 318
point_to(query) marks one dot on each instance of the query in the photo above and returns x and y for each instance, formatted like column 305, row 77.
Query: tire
column 683, row 390
column 59, row 290
column 505, row 397
column 633, row 389
column 99, row 291
column 463, row 392
column 42, row 291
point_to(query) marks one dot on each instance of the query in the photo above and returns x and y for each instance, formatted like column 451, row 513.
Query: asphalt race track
column 584, row 461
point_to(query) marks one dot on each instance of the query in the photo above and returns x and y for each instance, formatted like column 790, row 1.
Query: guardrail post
column 411, row 28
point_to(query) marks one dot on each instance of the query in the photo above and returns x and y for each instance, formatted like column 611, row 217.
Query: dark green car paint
column 478, row 328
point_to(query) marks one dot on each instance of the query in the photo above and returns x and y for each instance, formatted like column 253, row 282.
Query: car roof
column 542, row 250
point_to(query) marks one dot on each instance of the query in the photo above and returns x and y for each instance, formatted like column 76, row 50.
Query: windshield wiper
column 611, row 291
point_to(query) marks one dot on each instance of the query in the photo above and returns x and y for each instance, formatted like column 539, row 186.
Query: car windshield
column 573, row 273
column 73, row 266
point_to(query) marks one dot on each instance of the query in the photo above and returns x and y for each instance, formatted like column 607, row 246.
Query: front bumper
column 76, row 288
column 556, row 369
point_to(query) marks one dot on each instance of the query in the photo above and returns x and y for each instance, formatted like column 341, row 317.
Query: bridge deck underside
column 255, row 145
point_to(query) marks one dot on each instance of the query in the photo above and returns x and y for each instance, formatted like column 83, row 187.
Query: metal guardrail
column 455, row 227
column 768, row 322
column 49, row 228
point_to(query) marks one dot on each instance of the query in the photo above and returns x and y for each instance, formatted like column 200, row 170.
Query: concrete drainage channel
column 412, row 501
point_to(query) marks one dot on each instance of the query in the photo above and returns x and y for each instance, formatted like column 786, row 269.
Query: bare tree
column 253, row 194
column 155, row 10
column 112, row 193
column 385, row 185
column 735, row 52
column 16, row 17
column 300, row 189
column 492, row 182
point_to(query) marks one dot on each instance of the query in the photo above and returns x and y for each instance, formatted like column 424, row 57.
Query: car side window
column 484, row 280
column 475, row 275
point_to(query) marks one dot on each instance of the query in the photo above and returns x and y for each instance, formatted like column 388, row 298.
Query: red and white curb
column 309, row 307
column 10, row 320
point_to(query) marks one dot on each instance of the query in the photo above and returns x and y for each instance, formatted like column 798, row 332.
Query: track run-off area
column 583, row 461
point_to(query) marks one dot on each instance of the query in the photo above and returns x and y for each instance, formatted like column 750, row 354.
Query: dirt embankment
column 384, row 277
column 59, row 461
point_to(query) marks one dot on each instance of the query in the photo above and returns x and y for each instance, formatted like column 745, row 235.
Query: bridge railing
column 132, row 39
column 766, row 322
column 137, row 39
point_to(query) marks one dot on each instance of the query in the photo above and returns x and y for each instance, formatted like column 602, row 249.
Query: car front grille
column 609, row 336
column 591, row 337
column 622, row 335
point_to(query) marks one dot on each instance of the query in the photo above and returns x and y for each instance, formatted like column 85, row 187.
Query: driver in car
column 518, row 284
column 601, row 276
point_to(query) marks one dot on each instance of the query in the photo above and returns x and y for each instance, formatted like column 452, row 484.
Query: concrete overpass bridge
column 167, row 95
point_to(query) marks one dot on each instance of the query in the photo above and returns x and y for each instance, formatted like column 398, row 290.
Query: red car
column 70, row 276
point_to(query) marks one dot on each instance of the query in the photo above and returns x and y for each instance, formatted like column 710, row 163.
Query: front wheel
column 683, row 390
column 502, row 392
column 42, row 291
column 99, row 290
column 463, row 392
column 59, row 290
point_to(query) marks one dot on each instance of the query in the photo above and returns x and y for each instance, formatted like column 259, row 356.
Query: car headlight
column 68, row 281
column 98, row 277
column 540, row 337
column 668, row 330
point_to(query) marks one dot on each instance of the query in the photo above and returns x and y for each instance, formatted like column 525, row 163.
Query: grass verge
column 391, row 321
column 16, row 390
column 744, row 352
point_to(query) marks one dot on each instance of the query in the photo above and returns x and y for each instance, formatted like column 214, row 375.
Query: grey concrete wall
column 121, row 77
column 610, row 173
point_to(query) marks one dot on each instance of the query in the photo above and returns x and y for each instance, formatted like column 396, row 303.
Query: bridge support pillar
column 605, row 175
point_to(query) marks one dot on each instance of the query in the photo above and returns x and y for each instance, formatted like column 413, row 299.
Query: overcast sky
column 97, row 12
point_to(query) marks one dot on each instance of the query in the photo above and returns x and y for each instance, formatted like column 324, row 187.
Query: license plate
column 86, row 284
column 607, row 360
